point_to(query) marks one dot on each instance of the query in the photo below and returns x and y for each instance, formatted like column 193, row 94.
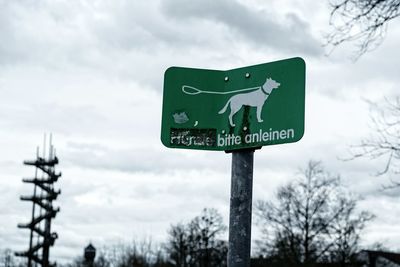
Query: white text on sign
column 261, row 136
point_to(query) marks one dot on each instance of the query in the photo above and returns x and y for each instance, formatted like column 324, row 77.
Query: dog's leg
column 259, row 109
column 231, row 117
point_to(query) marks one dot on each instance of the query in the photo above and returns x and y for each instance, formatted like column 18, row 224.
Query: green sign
column 241, row 108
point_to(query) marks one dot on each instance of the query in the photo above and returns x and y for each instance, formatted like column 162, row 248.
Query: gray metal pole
column 240, row 208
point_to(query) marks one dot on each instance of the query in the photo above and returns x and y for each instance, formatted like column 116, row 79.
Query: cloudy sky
column 91, row 73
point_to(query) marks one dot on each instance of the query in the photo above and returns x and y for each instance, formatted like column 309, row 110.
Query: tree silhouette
column 313, row 220
column 136, row 254
column 197, row 243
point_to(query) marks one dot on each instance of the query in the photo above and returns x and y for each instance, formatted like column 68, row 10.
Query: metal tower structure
column 41, row 238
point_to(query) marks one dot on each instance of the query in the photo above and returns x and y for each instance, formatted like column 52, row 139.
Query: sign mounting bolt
column 247, row 75
column 226, row 79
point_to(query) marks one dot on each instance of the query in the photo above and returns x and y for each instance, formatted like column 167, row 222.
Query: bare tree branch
column 364, row 22
column 384, row 142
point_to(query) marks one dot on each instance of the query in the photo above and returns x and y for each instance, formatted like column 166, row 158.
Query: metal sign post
column 236, row 111
column 240, row 208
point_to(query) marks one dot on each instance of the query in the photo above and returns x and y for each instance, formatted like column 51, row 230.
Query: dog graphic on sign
column 254, row 97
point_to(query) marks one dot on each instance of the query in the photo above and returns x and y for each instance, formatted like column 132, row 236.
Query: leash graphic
column 191, row 90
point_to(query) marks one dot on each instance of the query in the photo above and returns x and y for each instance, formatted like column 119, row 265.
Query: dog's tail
column 225, row 107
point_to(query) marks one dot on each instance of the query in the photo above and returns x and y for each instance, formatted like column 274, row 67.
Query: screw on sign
column 236, row 111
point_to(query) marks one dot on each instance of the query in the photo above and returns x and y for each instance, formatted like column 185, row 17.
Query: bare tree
column 384, row 142
column 311, row 219
column 102, row 261
column 346, row 229
column 197, row 243
column 207, row 228
column 138, row 253
column 362, row 21
column 7, row 259
column 178, row 245
column 142, row 253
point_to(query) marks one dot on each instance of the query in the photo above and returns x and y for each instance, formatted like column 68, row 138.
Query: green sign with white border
column 242, row 108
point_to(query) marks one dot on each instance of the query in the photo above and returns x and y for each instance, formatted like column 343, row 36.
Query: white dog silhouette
column 253, row 99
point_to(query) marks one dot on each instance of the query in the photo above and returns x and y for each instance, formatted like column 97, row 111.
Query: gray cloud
column 10, row 50
column 262, row 28
column 137, row 159
column 39, row 117
column 130, row 40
